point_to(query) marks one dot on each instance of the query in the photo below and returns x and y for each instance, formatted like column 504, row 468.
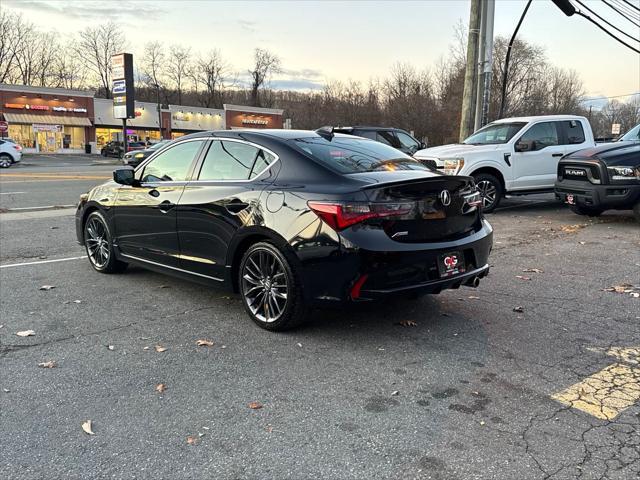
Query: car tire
column 98, row 243
column 587, row 211
column 5, row 160
column 266, row 274
column 490, row 189
column 636, row 211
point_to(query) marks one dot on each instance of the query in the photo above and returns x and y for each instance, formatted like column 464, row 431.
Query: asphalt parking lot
column 535, row 374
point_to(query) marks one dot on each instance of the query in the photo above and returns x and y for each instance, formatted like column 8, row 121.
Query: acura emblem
column 445, row 198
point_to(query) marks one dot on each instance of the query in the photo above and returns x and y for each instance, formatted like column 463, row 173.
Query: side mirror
column 423, row 145
column 524, row 146
column 124, row 176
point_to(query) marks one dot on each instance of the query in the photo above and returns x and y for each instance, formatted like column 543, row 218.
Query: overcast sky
column 321, row 40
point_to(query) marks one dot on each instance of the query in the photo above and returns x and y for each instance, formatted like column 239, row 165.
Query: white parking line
column 10, row 193
column 42, row 261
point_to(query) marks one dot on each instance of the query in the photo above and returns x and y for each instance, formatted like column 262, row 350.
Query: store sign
column 615, row 129
column 254, row 121
column 122, row 86
column 65, row 109
column 21, row 106
column 42, row 127
column 4, row 126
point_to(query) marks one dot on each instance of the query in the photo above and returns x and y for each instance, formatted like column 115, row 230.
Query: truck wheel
column 588, row 211
column 490, row 189
column 636, row 211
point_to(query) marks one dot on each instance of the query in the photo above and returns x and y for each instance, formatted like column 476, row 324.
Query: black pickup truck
column 601, row 178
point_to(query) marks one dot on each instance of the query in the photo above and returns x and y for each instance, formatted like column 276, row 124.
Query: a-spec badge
column 445, row 198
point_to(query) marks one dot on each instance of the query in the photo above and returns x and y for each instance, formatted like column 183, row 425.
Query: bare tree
column 153, row 65
column 13, row 31
column 69, row 70
column 97, row 45
column 266, row 64
column 178, row 67
column 212, row 71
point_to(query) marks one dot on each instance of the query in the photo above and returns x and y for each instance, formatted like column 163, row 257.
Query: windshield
column 495, row 133
column 632, row 135
column 158, row 145
column 354, row 155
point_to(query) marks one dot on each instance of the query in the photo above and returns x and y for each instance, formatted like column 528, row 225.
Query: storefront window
column 175, row 135
column 105, row 135
column 23, row 135
column 73, row 138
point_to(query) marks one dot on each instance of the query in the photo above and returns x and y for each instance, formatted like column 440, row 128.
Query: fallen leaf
column 518, row 309
column 86, row 426
column 635, row 294
column 407, row 323
column 47, row 287
column 395, row 393
column 26, row 333
column 193, row 440
column 146, row 348
column 160, row 348
column 49, row 364
column 582, row 243
column 299, row 344
column 533, row 270
column 482, row 422
column 255, row 405
column 572, row 228
column 473, row 297
column 522, row 277
column 77, row 301
column 110, row 347
column 161, row 387
column 204, row 343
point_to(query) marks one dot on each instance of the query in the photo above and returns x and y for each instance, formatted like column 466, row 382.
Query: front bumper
column 614, row 196
column 379, row 274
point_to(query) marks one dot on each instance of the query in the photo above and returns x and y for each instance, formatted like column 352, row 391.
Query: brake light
column 340, row 215
column 18, row 147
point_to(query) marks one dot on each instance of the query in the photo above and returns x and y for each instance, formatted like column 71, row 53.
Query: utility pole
column 467, row 119
column 485, row 64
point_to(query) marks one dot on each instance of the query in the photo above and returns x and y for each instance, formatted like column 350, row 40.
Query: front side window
column 173, row 164
column 228, row 160
column 541, row 135
column 495, row 133
column 632, row 135
column 575, row 133
column 354, row 155
column 408, row 143
column 387, row 138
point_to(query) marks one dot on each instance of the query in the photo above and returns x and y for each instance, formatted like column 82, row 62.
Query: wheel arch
column 491, row 171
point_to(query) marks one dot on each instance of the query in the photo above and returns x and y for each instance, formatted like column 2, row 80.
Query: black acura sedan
column 290, row 220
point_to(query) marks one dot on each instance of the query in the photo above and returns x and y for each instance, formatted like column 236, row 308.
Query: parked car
column 601, row 178
column 116, row 149
column 135, row 157
column 396, row 137
column 513, row 156
column 10, row 153
column 290, row 219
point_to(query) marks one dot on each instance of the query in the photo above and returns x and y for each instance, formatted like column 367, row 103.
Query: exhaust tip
column 474, row 282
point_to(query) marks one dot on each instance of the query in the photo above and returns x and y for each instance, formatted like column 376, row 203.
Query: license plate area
column 450, row 264
column 570, row 199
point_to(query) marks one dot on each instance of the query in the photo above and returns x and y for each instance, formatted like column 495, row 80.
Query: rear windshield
column 357, row 155
column 495, row 133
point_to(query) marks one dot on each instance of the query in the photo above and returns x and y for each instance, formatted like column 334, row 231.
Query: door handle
column 235, row 206
column 166, row 206
column 154, row 193
column 557, row 154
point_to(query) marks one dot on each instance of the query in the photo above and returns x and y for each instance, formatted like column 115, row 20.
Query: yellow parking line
column 609, row 392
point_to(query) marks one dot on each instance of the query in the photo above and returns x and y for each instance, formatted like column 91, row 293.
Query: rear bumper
column 380, row 274
column 620, row 197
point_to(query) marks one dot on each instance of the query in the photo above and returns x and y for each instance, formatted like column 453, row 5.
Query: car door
column 145, row 215
column 536, row 155
column 408, row 144
column 222, row 198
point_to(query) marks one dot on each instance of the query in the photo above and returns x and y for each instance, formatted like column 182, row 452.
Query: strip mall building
column 55, row 120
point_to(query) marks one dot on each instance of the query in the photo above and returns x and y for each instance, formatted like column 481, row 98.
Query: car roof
column 281, row 134
column 607, row 150
column 540, row 118
column 368, row 127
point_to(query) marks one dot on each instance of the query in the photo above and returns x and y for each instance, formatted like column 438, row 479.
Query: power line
column 631, row 5
column 607, row 31
column 607, row 22
column 613, row 96
column 621, row 13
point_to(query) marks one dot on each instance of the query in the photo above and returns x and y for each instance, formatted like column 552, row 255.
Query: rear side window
column 227, row 160
column 365, row 134
column 541, row 135
column 388, row 137
column 574, row 131
column 353, row 155
column 173, row 164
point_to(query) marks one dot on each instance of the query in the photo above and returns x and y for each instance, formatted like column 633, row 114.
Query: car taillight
column 342, row 215
column 18, row 147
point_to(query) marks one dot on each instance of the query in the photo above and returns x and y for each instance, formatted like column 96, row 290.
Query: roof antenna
column 325, row 132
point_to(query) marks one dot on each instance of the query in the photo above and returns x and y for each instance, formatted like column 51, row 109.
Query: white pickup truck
column 513, row 156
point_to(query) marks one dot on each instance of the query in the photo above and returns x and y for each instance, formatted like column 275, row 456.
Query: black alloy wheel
column 99, row 246
column 490, row 190
column 270, row 289
column 5, row 161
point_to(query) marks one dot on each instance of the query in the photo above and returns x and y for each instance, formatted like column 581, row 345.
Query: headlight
column 624, row 173
column 452, row 166
column 139, row 155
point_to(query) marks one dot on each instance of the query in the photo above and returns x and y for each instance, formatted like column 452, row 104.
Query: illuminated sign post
column 123, row 91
